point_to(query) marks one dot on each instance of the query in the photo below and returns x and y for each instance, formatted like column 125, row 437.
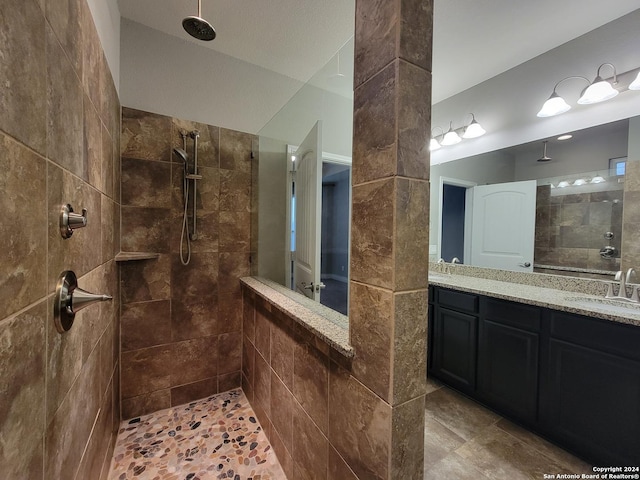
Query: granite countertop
column 325, row 323
column 567, row 301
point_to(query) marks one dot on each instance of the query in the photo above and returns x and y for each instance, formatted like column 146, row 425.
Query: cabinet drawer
column 611, row 337
column 459, row 301
column 512, row 314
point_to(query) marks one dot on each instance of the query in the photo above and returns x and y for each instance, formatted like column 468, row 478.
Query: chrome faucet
column 624, row 279
column 446, row 269
column 455, row 260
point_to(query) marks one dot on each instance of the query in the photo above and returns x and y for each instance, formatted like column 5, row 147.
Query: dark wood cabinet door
column 508, row 369
column 591, row 403
column 454, row 348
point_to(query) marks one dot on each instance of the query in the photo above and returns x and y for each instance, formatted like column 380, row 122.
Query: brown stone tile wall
column 631, row 217
column 570, row 228
column 182, row 325
column 384, row 388
column 306, row 400
column 59, row 134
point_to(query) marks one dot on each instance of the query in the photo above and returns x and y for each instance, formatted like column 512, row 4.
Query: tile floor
column 214, row 438
column 464, row 440
column 219, row 438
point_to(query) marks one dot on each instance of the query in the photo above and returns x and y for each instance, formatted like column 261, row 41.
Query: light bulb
column 635, row 85
column 599, row 91
column 580, row 181
column 598, row 179
column 451, row 138
column 563, row 184
column 474, row 130
column 555, row 105
column 433, row 145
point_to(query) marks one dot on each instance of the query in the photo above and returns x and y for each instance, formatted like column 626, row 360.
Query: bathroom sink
column 609, row 305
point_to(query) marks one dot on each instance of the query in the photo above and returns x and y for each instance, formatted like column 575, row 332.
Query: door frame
column 468, row 209
column 326, row 157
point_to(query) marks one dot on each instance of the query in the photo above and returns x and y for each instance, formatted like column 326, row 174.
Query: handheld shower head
column 181, row 154
column 198, row 27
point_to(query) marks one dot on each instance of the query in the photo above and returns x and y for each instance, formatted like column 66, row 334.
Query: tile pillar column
column 390, row 220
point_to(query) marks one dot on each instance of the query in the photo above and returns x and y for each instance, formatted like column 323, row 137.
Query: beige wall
column 59, row 138
column 181, row 325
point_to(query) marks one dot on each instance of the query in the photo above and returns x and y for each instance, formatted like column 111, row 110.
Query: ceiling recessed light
column 565, row 137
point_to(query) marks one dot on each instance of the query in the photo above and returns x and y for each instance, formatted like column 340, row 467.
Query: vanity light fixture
column 598, row 179
column 563, row 184
column 599, row 90
column 474, row 130
column 451, row 137
column 635, row 85
column 578, row 182
column 555, row 104
column 566, row 136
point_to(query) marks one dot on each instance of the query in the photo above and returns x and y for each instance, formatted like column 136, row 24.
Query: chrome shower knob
column 69, row 220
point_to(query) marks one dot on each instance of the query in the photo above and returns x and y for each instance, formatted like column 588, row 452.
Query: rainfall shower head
column 182, row 154
column 544, row 157
column 198, row 27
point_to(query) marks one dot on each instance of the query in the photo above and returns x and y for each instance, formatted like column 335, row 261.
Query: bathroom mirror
column 578, row 198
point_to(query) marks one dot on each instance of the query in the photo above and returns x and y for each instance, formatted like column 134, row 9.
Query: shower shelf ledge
column 133, row 256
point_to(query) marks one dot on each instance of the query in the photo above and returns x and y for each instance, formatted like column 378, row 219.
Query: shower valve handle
column 69, row 220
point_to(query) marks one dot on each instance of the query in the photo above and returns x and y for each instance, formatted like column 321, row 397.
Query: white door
column 503, row 226
column 308, row 193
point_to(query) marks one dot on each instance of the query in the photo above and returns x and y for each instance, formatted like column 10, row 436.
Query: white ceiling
column 473, row 40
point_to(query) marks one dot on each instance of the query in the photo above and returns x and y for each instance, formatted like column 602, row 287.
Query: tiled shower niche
column 182, row 325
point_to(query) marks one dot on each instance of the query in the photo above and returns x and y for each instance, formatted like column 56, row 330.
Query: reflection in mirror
column 578, row 202
column 309, row 140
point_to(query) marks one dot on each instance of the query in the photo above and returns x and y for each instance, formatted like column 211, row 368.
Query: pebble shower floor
column 214, row 438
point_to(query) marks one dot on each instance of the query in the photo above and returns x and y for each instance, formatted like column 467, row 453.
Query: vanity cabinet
column 508, row 356
column 590, row 387
column 570, row 378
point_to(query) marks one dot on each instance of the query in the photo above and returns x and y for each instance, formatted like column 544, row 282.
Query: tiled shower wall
column 570, row 228
column 631, row 216
column 182, row 325
column 59, row 138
